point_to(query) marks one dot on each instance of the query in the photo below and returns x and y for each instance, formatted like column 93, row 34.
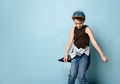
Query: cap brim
column 78, row 17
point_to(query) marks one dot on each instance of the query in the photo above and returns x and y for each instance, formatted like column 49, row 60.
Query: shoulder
column 88, row 29
column 72, row 29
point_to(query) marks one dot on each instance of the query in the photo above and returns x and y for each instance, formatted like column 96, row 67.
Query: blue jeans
column 79, row 66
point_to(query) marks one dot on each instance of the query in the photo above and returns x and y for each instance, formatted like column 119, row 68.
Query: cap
column 78, row 14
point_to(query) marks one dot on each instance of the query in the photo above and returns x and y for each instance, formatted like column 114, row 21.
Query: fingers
column 65, row 59
column 105, row 60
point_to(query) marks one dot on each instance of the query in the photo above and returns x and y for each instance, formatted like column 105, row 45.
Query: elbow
column 94, row 43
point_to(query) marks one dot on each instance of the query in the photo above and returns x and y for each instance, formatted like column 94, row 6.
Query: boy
column 81, row 35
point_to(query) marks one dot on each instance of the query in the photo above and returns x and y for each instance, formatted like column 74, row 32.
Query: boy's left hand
column 104, row 58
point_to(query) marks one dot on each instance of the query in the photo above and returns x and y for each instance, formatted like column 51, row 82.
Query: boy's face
column 78, row 23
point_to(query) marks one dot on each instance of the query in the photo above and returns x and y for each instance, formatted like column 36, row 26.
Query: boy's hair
column 79, row 18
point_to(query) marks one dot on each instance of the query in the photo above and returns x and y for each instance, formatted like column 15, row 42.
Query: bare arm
column 94, row 43
column 69, row 44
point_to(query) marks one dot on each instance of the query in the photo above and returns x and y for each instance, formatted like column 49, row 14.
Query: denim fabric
column 79, row 66
column 79, row 14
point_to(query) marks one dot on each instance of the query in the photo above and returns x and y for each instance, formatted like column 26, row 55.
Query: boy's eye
column 79, row 23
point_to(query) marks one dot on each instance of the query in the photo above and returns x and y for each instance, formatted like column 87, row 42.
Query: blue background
column 34, row 34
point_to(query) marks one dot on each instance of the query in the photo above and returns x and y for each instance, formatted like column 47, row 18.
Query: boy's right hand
column 65, row 58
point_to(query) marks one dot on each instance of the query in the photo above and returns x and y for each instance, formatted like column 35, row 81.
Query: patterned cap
column 78, row 14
